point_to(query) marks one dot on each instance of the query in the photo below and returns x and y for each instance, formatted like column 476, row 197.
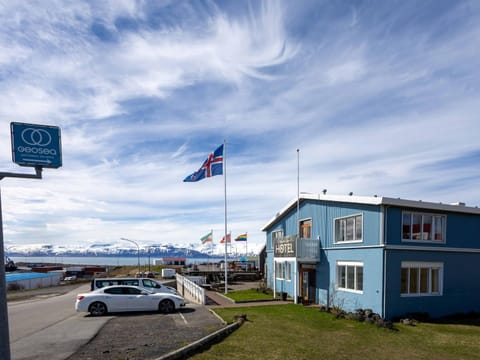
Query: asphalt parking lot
column 148, row 335
column 145, row 335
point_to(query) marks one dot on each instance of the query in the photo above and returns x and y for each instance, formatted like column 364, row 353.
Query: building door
column 308, row 285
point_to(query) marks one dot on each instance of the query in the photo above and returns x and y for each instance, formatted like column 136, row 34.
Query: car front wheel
column 166, row 306
column 97, row 309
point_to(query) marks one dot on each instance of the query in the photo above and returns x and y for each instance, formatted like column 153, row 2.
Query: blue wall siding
column 323, row 217
column 461, row 229
column 283, row 285
column 371, row 222
column 372, row 279
column 461, row 288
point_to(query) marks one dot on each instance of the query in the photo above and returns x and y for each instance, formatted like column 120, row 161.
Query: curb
column 192, row 348
column 217, row 316
column 226, row 298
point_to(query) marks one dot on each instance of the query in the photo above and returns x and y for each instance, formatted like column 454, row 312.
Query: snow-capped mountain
column 124, row 249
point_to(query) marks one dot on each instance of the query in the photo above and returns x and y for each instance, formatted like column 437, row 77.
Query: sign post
column 36, row 146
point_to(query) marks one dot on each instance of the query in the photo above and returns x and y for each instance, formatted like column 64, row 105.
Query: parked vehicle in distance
column 146, row 283
column 119, row 298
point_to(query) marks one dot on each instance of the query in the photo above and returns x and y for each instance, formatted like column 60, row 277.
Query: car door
column 115, row 299
column 138, row 300
column 150, row 285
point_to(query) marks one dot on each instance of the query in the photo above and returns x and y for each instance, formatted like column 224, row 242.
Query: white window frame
column 274, row 236
column 283, row 270
column 276, row 232
column 432, row 231
column 418, row 265
column 300, row 222
column 346, row 264
column 354, row 216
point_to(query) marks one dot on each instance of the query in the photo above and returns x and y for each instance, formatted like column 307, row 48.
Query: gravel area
column 145, row 336
column 135, row 336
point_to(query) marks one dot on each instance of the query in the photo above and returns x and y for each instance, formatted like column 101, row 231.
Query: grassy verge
column 248, row 295
column 297, row 332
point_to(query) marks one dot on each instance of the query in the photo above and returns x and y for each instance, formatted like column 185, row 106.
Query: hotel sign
column 285, row 247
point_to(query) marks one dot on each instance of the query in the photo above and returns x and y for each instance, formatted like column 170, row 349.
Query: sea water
column 104, row 260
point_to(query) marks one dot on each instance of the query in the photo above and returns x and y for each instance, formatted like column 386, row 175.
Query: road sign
column 36, row 145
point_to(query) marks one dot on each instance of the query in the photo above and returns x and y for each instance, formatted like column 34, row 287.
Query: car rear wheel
column 97, row 309
column 166, row 306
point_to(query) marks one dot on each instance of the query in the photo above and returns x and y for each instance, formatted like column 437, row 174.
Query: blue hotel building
column 389, row 255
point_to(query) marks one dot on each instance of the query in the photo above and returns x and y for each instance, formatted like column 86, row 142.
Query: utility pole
column 4, row 331
column 44, row 142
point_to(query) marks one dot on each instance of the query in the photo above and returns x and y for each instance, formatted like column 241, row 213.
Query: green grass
column 298, row 332
column 248, row 295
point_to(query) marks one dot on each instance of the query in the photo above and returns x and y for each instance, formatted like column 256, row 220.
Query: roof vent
column 324, row 191
column 350, row 193
column 459, row 203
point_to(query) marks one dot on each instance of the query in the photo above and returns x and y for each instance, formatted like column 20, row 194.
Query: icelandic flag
column 210, row 167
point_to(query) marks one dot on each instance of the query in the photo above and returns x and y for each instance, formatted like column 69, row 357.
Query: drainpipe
column 383, row 219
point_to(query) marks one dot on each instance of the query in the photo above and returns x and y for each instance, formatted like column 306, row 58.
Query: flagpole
column 225, row 193
column 295, row 290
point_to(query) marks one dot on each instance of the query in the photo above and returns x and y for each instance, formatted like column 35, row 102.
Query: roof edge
column 375, row 200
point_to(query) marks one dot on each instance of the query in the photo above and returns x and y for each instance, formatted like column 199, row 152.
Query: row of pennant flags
column 209, row 238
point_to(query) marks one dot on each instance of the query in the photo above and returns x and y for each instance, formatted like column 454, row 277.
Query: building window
column 283, row 270
column 349, row 229
column 423, row 227
column 305, row 229
column 350, row 276
column 277, row 235
column 421, row 278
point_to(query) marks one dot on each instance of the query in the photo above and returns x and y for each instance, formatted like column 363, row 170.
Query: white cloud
column 373, row 107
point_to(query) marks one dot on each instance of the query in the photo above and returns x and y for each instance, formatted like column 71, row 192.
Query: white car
column 146, row 283
column 126, row 298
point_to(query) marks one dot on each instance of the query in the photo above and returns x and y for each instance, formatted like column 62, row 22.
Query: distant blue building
column 390, row 255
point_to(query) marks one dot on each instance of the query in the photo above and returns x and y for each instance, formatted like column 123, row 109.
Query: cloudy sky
column 381, row 97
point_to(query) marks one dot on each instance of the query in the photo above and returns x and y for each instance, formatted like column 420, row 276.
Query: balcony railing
column 300, row 248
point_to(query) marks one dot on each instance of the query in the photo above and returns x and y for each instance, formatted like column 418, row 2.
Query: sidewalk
column 216, row 300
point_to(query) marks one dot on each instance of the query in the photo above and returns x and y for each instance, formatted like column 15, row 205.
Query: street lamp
column 149, row 257
column 138, row 250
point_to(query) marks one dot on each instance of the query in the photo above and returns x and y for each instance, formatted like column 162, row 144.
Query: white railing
column 190, row 290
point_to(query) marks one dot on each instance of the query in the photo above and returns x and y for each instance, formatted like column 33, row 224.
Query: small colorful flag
column 229, row 239
column 241, row 237
column 207, row 238
column 210, row 167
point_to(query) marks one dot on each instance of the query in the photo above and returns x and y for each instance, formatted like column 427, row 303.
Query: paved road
column 49, row 328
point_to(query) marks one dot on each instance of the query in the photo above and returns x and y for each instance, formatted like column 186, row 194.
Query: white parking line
column 183, row 317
